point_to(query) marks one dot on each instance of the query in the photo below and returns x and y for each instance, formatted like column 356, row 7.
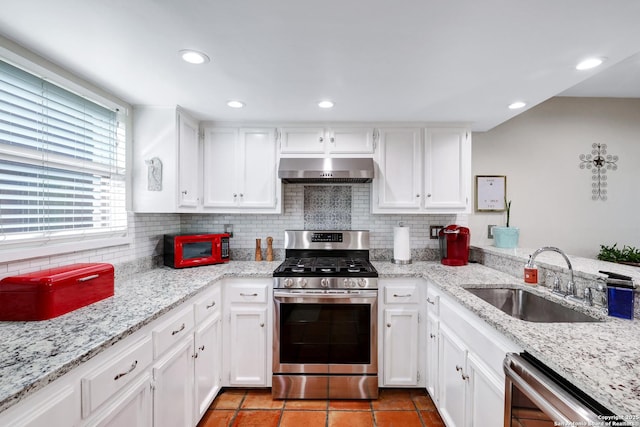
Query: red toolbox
column 49, row 293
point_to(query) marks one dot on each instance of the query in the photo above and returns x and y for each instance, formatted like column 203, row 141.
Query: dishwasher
column 535, row 395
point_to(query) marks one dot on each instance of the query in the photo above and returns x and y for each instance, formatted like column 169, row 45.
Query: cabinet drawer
column 171, row 331
column 433, row 301
column 401, row 294
column 208, row 305
column 101, row 384
column 254, row 293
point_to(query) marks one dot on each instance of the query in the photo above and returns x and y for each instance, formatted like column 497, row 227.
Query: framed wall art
column 490, row 193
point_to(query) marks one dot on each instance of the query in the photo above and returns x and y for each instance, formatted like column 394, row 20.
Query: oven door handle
column 339, row 295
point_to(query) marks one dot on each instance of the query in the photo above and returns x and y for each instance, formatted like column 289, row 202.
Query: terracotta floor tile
column 257, row 418
column 431, row 419
column 349, row 405
column 350, row 419
column 261, row 399
column 228, row 399
column 309, row 405
column 217, row 418
column 393, row 399
column 397, row 419
column 303, row 418
column 423, row 403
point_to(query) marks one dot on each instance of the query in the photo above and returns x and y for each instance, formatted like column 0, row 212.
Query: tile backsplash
column 304, row 206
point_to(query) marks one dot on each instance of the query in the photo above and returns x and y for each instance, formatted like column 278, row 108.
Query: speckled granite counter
column 601, row 358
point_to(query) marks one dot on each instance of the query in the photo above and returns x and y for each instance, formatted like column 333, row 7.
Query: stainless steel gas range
column 325, row 329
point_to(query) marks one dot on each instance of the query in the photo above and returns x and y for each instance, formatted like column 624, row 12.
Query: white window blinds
column 62, row 163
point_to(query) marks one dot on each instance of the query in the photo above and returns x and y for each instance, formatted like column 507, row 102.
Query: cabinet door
column 132, row 407
column 452, row 382
column 208, row 363
column 350, row 141
column 432, row 357
column 447, row 169
column 400, row 346
column 248, row 346
column 58, row 406
column 485, row 395
column 258, row 168
column 220, row 165
column 302, row 141
column 188, row 162
column 173, row 400
column 397, row 184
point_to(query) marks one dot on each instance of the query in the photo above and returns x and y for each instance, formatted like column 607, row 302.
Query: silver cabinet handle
column 242, row 294
column 122, row 374
column 458, row 368
column 179, row 330
column 401, row 295
column 430, row 301
column 432, row 335
column 201, row 348
column 213, row 303
column 195, row 355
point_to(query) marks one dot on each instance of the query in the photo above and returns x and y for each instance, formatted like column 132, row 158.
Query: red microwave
column 192, row 250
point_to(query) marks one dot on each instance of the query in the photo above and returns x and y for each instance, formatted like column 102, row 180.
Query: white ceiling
column 379, row 60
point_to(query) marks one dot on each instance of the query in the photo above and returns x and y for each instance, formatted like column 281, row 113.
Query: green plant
column 613, row 254
column 508, row 205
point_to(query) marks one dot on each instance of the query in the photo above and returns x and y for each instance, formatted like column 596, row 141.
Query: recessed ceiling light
column 589, row 63
column 517, row 105
column 193, row 56
column 235, row 104
column 325, row 104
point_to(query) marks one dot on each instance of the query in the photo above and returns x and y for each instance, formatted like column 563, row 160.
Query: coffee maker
column 454, row 245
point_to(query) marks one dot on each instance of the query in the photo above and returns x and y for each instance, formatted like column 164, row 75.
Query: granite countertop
column 603, row 359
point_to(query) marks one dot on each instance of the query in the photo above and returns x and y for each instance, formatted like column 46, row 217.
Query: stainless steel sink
column 525, row 305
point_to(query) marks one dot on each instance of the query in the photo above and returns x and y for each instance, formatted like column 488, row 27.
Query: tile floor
column 255, row 407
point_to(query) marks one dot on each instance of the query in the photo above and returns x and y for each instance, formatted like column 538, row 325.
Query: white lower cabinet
column 452, row 356
column 468, row 389
column 248, row 336
column 400, row 320
column 208, row 363
column 173, row 386
column 131, row 407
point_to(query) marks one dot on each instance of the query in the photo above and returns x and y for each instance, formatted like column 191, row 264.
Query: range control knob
column 345, row 283
column 288, row 283
column 302, row 283
column 362, row 282
column 324, row 282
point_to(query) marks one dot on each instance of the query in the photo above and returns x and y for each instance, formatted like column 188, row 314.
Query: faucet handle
column 588, row 296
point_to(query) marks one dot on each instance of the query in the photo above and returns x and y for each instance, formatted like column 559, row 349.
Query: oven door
column 325, row 332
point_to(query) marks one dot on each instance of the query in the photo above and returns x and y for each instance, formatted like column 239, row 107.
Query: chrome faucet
column 571, row 286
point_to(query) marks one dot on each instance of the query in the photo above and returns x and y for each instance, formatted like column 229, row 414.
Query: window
column 62, row 164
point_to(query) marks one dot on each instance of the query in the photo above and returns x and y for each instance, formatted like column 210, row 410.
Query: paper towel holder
column 401, row 261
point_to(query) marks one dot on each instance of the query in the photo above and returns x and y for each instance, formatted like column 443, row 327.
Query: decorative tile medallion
column 327, row 207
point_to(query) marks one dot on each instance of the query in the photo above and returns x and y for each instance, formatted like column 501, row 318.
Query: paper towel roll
column 401, row 245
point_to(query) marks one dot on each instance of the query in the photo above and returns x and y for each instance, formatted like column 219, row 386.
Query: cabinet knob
column 417, row 195
column 388, row 325
column 184, row 192
column 321, row 139
column 428, row 194
column 458, row 368
column 262, row 325
column 332, row 140
column 241, row 195
column 235, row 195
column 432, row 335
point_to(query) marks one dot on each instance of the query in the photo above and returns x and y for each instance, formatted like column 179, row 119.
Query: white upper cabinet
column 326, row 142
column 165, row 166
column 397, row 182
column 447, row 169
column 416, row 174
column 240, row 172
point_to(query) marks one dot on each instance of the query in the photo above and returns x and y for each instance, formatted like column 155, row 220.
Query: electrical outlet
column 228, row 228
column 490, row 231
column 434, row 231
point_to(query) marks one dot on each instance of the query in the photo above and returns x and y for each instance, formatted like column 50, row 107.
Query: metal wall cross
column 598, row 162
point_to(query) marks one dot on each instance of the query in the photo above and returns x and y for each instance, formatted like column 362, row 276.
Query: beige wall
column 538, row 152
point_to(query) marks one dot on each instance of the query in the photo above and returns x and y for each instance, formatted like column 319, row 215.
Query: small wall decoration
column 598, row 162
column 154, row 174
column 490, row 193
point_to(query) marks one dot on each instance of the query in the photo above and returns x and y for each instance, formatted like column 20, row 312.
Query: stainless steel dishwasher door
column 537, row 396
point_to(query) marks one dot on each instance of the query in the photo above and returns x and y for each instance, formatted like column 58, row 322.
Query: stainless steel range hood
column 325, row 170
